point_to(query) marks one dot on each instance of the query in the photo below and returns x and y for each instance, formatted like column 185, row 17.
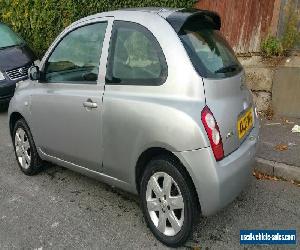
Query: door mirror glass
column 34, row 73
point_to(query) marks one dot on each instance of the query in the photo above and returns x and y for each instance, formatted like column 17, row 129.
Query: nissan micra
column 151, row 101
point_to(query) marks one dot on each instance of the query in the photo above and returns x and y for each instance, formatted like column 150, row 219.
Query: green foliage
column 291, row 35
column 271, row 46
column 40, row 21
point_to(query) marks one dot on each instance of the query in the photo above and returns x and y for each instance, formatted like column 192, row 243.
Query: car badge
column 229, row 135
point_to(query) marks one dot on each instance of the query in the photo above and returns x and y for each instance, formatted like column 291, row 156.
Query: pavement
column 60, row 209
column 279, row 148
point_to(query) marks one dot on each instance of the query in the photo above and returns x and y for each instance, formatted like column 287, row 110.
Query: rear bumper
column 219, row 183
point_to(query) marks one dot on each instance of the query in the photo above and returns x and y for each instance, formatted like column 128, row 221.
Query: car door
column 67, row 101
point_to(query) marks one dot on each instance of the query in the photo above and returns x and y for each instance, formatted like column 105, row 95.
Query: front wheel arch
column 14, row 117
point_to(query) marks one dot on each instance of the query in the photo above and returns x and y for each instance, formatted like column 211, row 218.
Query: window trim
column 57, row 42
column 110, row 80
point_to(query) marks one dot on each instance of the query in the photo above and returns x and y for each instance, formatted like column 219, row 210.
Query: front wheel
column 25, row 150
column 169, row 201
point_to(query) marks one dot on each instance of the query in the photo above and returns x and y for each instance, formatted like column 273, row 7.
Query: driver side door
column 67, row 102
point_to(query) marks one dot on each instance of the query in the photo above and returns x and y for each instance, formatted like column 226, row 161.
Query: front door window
column 76, row 58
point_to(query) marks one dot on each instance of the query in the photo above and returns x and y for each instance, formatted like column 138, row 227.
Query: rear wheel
column 25, row 150
column 168, row 201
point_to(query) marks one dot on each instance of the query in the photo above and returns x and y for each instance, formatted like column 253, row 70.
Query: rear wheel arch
column 157, row 152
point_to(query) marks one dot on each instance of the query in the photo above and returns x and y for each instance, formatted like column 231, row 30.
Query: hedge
column 40, row 21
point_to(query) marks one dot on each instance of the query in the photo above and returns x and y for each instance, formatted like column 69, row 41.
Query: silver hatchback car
column 151, row 101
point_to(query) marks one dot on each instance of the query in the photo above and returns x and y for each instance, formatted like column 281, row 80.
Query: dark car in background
column 15, row 60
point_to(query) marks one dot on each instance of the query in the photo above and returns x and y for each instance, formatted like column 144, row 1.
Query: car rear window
column 8, row 37
column 209, row 52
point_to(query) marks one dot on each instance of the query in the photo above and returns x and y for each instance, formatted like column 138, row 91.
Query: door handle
column 90, row 104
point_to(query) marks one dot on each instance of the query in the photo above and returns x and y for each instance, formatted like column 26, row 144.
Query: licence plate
column 245, row 123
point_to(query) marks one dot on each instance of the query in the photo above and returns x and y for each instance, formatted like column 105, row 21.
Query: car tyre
column 169, row 201
column 25, row 149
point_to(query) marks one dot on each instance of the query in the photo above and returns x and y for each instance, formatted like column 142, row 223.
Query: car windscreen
column 209, row 52
column 8, row 37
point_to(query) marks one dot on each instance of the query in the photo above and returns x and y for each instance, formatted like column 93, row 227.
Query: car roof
column 174, row 16
column 163, row 12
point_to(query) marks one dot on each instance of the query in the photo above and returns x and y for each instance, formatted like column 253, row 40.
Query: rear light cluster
column 213, row 133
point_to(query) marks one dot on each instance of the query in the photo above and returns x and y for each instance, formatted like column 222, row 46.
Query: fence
column 246, row 22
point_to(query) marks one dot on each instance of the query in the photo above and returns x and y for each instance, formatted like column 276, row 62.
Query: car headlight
column 1, row 76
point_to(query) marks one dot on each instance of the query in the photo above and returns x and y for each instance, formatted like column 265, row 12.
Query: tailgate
column 231, row 103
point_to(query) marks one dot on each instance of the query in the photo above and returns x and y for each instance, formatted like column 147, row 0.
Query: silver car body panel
column 89, row 172
column 218, row 183
column 228, row 98
column 106, row 143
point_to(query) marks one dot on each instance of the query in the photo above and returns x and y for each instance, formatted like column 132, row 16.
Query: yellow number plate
column 245, row 122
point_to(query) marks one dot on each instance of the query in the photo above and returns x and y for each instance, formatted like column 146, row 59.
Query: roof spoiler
column 178, row 18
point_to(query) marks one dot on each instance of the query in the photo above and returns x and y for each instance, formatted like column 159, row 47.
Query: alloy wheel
column 165, row 204
column 22, row 147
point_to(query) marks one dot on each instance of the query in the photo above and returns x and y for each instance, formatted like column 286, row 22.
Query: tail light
column 213, row 133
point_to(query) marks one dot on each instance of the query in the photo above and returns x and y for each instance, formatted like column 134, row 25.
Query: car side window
column 77, row 56
column 136, row 57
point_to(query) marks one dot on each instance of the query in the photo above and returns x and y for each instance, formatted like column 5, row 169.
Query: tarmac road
column 61, row 209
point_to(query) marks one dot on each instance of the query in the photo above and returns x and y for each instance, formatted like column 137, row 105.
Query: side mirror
column 34, row 73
